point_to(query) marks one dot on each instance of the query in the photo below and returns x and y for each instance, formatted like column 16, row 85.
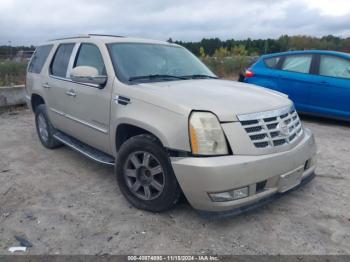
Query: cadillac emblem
column 283, row 129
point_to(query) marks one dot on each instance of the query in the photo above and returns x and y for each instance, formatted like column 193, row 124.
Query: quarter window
column 334, row 66
column 90, row 55
column 272, row 62
column 39, row 57
column 61, row 60
column 297, row 63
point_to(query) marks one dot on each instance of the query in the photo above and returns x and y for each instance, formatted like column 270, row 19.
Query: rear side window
column 61, row 60
column 39, row 57
column 272, row 62
column 297, row 63
column 334, row 66
column 90, row 55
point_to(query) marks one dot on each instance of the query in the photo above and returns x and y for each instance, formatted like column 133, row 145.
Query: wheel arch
column 36, row 100
column 126, row 130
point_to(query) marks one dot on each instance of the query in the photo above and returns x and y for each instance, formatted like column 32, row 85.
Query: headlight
column 206, row 134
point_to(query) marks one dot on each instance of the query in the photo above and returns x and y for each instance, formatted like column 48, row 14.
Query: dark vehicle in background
column 318, row 82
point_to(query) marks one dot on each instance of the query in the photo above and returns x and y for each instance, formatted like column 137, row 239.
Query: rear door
column 56, row 86
column 294, row 78
column 331, row 92
column 88, row 105
column 35, row 78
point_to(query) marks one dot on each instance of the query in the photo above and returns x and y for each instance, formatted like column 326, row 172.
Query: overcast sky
column 34, row 21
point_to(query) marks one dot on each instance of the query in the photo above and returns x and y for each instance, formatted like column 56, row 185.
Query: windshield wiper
column 198, row 76
column 157, row 76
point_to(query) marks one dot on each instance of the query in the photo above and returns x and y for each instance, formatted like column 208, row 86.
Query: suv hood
column 225, row 98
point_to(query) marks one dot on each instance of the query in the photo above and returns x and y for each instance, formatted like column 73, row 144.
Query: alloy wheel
column 43, row 128
column 144, row 175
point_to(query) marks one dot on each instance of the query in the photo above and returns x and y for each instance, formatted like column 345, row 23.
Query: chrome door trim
column 105, row 131
column 70, row 80
column 57, row 112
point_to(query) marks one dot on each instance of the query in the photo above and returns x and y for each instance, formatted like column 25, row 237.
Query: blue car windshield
column 155, row 62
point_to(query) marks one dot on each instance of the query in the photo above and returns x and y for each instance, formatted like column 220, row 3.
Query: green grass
column 12, row 73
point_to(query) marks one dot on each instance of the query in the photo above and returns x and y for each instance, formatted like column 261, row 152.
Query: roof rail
column 106, row 35
column 71, row 37
column 84, row 36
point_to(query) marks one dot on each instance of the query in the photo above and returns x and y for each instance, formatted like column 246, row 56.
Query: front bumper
column 200, row 176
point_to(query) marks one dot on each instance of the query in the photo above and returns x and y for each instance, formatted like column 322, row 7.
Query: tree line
column 255, row 47
column 7, row 50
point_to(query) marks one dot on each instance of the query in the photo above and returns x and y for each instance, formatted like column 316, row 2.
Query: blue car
column 318, row 82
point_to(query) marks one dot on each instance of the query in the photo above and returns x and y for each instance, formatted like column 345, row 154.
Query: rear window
column 297, row 63
column 39, row 57
column 272, row 62
column 61, row 60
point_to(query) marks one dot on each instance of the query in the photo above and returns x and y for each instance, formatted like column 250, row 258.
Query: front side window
column 272, row 62
column 90, row 55
column 61, row 60
column 297, row 63
column 133, row 60
column 334, row 66
column 39, row 57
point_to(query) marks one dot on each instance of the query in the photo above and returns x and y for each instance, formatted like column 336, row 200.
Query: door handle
column 46, row 85
column 324, row 83
column 71, row 93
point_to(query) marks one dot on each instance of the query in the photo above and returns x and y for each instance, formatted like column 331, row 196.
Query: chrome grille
column 273, row 128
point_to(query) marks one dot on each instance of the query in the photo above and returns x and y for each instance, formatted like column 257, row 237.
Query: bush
column 12, row 73
column 229, row 66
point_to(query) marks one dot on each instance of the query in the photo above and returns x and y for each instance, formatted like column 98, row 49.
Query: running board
column 85, row 149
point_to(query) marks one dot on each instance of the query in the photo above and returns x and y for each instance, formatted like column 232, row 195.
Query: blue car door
column 331, row 92
column 294, row 79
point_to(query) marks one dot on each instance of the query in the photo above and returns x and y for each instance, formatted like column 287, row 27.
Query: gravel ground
column 64, row 203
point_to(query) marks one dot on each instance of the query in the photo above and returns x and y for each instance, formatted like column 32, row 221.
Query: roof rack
column 70, row 37
column 106, row 35
column 84, row 36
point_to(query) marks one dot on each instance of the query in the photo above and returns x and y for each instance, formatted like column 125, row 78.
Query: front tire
column 44, row 128
column 145, row 175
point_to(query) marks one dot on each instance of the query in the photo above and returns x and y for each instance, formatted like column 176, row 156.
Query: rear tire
column 44, row 128
column 145, row 175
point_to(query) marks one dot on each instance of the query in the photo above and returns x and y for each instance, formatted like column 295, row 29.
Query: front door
column 294, row 79
column 89, row 105
column 331, row 92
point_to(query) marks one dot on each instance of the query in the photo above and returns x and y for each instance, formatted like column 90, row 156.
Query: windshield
column 155, row 62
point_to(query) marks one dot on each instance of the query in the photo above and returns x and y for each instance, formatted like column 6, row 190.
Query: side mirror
column 87, row 74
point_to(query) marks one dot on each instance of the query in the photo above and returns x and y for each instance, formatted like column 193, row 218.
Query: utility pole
column 10, row 49
column 266, row 46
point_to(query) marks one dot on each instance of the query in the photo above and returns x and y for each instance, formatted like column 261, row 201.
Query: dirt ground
column 63, row 203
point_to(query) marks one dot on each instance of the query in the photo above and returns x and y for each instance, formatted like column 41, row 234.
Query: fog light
column 240, row 193
column 230, row 195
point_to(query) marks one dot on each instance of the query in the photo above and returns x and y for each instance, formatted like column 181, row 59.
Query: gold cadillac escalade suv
column 168, row 124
